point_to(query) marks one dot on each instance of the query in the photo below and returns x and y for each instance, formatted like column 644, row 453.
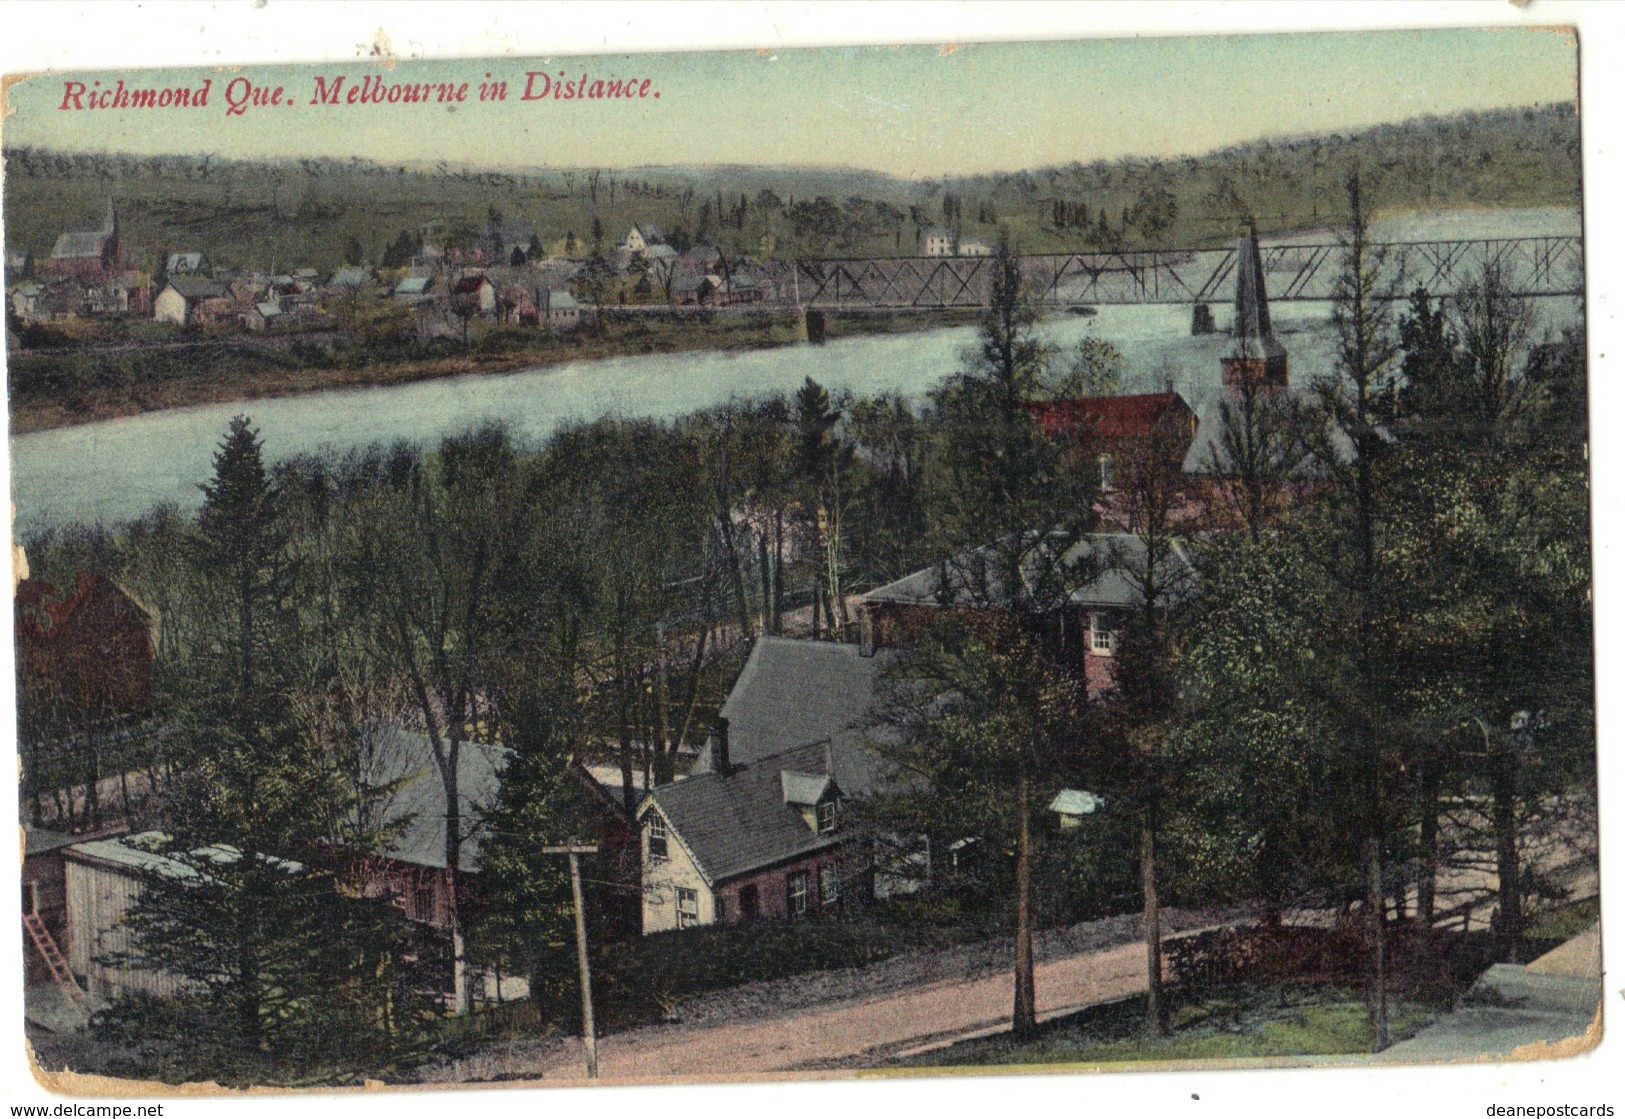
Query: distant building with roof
column 91, row 254
column 1116, row 428
column 183, row 298
column 186, row 264
column 937, row 240
column 1084, row 624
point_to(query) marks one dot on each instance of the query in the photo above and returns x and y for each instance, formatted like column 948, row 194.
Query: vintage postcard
column 803, row 563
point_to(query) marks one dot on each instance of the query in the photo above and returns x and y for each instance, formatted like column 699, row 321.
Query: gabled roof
column 404, row 756
column 183, row 262
column 1209, row 452
column 468, row 285
column 1109, row 417
column 1116, row 554
column 794, row 693
column 413, row 285
column 268, row 310
column 805, row 788
column 561, row 301
column 79, row 244
column 351, row 278
column 739, row 821
column 661, row 252
column 196, row 287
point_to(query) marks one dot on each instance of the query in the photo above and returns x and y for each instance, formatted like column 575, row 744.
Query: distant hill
column 323, row 212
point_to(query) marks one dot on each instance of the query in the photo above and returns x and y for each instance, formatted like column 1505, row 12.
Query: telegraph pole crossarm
column 589, row 1037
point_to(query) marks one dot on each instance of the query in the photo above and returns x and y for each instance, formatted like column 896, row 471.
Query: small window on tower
column 1108, row 472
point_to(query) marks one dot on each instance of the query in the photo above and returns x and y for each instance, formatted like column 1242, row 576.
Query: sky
column 914, row 112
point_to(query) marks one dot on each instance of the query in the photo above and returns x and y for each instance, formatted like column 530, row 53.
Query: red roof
column 1107, row 417
column 468, row 285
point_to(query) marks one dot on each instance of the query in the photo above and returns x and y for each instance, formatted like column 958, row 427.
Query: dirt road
column 855, row 1032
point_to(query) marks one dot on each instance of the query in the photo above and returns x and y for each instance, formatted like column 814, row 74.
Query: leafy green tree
column 978, row 711
column 1096, row 369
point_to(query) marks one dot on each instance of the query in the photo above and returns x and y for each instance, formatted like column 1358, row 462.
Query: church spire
column 1255, row 356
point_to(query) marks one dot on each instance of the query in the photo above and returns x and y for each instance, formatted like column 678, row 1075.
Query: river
column 117, row 470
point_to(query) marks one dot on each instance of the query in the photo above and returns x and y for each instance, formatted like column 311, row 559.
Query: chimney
column 721, row 762
column 829, row 758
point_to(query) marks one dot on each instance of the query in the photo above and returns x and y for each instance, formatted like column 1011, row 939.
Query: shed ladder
column 41, row 936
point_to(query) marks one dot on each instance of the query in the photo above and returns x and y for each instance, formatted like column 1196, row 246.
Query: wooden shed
column 103, row 880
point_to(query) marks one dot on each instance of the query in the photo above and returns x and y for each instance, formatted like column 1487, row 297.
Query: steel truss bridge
column 1293, row 271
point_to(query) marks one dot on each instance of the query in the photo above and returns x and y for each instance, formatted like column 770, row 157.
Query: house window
column 1102, row 635
column 797, row 885
column 657, row 836
column 688, row 908
column 750, row 902
column 829, row 884
column 1108, row 472
column 826, row 817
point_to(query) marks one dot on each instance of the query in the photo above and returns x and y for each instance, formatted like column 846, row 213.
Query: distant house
column 937, row 241
column 187, row 264
column 1083, row 630
column 1116, row 428
column 92, row 254
column 262, row 316
column 640, row 238
column 183, row 298
column 660, row 256
column 25, row 301
column 414, row 289
column 687, row 288
column 475, row 293
column 974, row 248
column 559, row 310
column 350, row 280
column 515, row 306
column 84, row 655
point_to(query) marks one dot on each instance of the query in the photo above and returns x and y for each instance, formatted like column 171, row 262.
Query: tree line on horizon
column 323, row 212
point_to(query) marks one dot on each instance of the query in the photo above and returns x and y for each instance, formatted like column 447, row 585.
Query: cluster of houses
column 759, row 828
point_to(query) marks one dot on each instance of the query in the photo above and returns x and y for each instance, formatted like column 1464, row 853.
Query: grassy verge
column 85, row 381
column 1246, row 1022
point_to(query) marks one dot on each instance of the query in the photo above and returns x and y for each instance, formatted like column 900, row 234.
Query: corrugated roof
column 794, row 693
column 1107, row 417
column 143, row 853
column 1117, row 554
column 738, row 822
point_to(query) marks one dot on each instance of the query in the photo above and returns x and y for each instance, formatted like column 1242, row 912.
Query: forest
column 1381, row 653
column 323, row 213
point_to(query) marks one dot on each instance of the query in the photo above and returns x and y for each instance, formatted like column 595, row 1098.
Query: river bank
column 68, row 386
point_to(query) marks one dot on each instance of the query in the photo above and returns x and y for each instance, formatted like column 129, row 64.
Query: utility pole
column 588, row 1036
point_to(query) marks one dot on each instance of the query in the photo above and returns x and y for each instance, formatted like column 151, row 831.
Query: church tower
column 1255, row 356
